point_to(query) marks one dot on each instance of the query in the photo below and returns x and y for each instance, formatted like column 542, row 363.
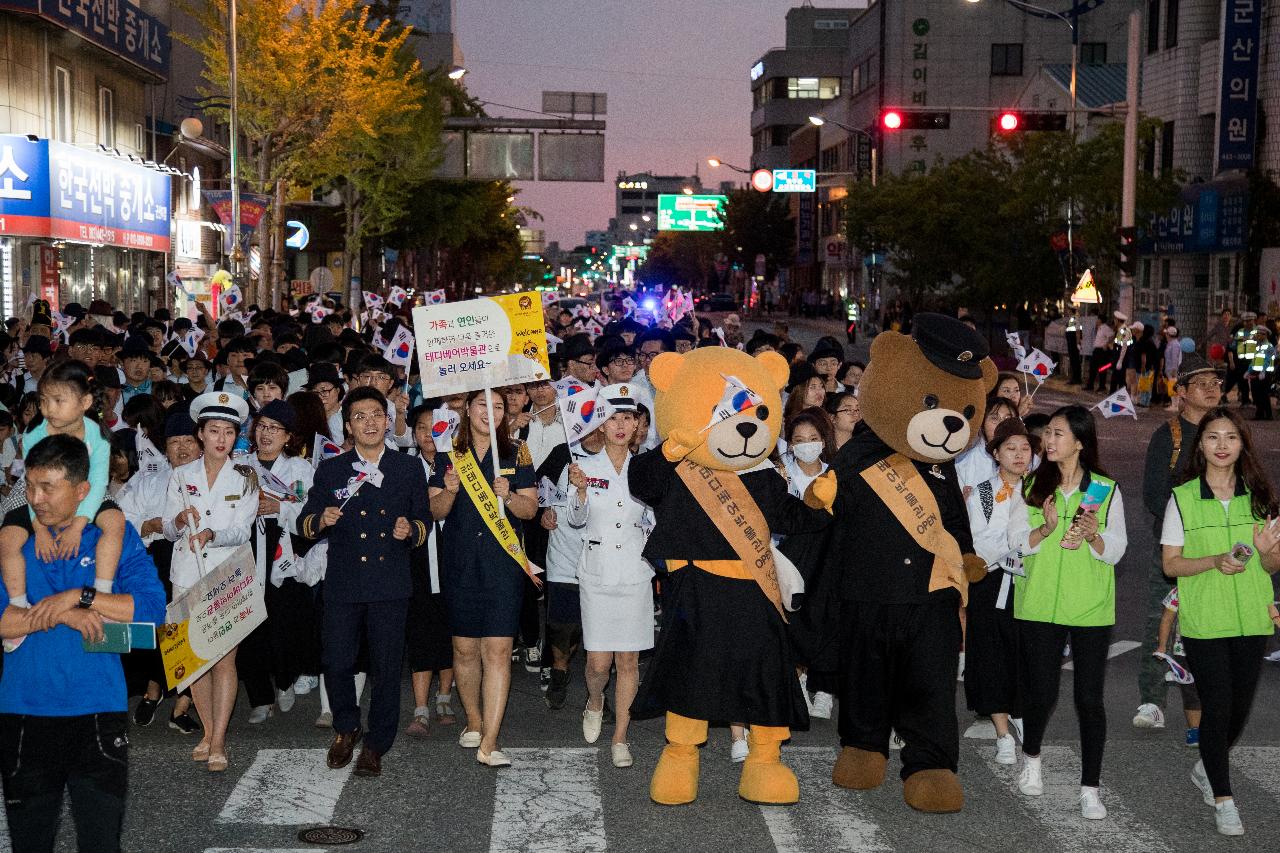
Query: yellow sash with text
column 724, row 498
column 486, row 503
column 898, row 484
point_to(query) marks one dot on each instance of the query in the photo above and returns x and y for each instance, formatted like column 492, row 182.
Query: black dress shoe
column 145, row 714
column 342, row 747
column 369, row 763
column 558, row 689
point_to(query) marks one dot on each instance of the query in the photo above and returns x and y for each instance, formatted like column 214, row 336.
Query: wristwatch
column 87, row 595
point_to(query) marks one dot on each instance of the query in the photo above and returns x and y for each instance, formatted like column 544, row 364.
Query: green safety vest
column 1062, row 586
column 1263, row 358
column 1212, row 605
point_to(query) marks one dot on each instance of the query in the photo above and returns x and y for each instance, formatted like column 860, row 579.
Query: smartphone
column 1241, row 552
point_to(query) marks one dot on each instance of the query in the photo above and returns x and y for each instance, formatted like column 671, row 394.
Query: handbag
column 1145, row 383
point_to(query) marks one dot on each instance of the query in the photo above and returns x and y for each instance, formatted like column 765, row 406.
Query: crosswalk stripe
column 1058, row 810
column 286, row 787
column 259, row 850
column 549, row 799
column 828, row 818
column 981, row 730
column 1118, row 648
column 1261, row 764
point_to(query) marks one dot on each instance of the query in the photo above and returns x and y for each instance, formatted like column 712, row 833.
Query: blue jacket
column 50, row 674
column 366, row 562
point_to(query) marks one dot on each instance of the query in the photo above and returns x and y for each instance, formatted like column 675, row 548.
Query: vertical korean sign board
column 492, row 341
column 52, row 189
column 1238, row 93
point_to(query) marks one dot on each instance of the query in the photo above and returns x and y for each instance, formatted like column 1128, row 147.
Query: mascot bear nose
column 952, row 423
column 746, row 429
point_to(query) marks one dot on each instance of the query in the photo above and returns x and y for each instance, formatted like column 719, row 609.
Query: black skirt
column 723, row 655
column 428, row 641
column 991, row 651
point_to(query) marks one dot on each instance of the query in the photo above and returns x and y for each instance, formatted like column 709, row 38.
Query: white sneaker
column 1201, row 781
column 324, row 721
column 1030, row 780
column 1015, row 724
column 1091, row 807
column 305, row 684
column 738, row 752
column 1006, row 750
column 622, row 755
column 1274, row 657
column 591, row 723
column 284, row 700
column 1227, row 817
column 804, row 691
column 259, row 714
column 822, row 705
column 1149, row 716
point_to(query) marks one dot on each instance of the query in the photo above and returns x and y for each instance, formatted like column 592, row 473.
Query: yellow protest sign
column 491, row 341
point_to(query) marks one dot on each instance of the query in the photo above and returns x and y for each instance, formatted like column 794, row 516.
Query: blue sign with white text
column 1238, row 92
column 795, row 180
column 1208, row 218
column 117, row 26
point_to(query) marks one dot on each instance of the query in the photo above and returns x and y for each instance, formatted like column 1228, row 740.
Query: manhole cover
column 330, row 835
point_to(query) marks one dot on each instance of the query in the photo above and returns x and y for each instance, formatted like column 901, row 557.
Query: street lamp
column 819, row 121
column 458, row 72
column 716, row 162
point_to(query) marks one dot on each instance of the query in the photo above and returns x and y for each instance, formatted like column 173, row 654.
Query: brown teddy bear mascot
column 723, row 652
column 922, row 401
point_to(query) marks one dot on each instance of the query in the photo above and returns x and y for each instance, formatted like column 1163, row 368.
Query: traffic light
column 914, row 120
column 1017, row 121
column 1128, row 251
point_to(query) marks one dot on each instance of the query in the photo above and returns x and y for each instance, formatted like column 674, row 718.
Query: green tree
column 683, row 258
column 757, row 223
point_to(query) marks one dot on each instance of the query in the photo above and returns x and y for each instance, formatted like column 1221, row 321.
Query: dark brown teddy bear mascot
column 898, row 556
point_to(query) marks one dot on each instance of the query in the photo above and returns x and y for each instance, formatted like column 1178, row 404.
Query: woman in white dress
column 613, row 579
column 209, row 511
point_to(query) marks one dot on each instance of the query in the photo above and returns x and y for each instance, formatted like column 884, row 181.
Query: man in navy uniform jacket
column 371, row 505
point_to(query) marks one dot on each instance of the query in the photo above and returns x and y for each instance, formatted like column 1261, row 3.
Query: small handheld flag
column 1119, row 403
column 435, row 297
column 397, row 295
column 371, row 300
column 1036, row 364
column 444, row 424
column 1014, row 340
column 322, row 449
column 1177, row 670
column 399, row 349
column 737, row 398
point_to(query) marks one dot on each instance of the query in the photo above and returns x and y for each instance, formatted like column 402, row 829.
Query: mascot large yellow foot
column 765, row 779
column 675, row 779
column 933, row 791
column 858, row 769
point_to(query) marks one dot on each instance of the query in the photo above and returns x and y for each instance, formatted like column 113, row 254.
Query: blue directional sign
column 795, row 180
column 300, row 236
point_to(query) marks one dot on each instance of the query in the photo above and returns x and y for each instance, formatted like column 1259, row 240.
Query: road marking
column 549, row 800
column 1058, row 810
column 981, row 730
column 831, row 818
column 286, row 787
column 1118, row 648
column 259, row 850
column 1261, row 764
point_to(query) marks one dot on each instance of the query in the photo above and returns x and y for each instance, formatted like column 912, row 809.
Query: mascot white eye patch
column 937, row 433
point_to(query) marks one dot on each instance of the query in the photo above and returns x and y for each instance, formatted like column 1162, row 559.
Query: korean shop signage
column 117, row 26
column 1238, row 93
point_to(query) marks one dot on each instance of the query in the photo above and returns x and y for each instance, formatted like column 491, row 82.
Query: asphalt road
column 563, row 795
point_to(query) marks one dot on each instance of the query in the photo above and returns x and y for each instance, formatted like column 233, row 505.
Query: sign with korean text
column 680, row 212
column 492, row 341
column 116, row 26
column 1207, row 218
column 1241, row 45
column 795, row 180
column 52, row 189
column 212, row 618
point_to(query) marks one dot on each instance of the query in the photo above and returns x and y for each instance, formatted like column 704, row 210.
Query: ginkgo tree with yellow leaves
column 326, row 97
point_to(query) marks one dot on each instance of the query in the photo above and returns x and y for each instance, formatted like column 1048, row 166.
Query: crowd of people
column 294, row 433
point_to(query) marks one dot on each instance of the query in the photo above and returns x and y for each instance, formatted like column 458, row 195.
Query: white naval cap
column 219, row 405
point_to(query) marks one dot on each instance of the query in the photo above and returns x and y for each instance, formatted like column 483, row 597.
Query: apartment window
column 106, row 117
column 821, row 88
column 1093, row 53
column 62, row 127
column 1153, row 26
column 1170, row 23
column 863, row 75
column 1166, row 148
column 1006, row 60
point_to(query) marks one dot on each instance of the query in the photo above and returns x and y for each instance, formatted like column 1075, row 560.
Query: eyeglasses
column 585, row 362
column 372, row 417
column 846, row 411
column 625, row 361
column 1205, row 384
column 270, row 429
column 325, row 391
column 648, row 356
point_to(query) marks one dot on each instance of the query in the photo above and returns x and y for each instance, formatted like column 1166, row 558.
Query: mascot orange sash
column 735, row 514
column 897, row 483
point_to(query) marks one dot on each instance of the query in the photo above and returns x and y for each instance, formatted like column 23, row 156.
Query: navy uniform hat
column 282, row 412
column 950, row 344
column 619, row 397
column 178, row 423
column 220, row 406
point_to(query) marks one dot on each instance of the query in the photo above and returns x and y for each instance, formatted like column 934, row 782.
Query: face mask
column 807, row 451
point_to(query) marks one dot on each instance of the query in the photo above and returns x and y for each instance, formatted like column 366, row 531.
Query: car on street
column 717, row 302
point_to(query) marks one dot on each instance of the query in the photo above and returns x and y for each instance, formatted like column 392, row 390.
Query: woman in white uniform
column 209, row 511
column 976, row 464
column 614, row 581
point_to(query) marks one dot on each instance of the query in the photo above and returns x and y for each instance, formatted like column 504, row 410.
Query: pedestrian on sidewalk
column 1169, row 454
column 1223, row 562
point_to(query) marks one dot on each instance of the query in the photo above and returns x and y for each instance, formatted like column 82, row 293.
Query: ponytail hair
column 78, row 376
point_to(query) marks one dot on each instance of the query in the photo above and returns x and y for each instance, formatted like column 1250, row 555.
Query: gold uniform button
column 382, row 512
column 382, row 535
column 364, row 536
column 380, row 559
column 362, row 512
column 364, row 559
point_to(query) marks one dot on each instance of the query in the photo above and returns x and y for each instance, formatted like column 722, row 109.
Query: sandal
column 444, row 709
column 201, row 752
column 217, row 762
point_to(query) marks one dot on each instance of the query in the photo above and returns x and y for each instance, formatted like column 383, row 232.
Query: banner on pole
column 491, row 341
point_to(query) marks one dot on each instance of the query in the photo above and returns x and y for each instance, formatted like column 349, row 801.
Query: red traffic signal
column 891, row 120
column 914, row 120
column 1008, row 122
column 1017, row 121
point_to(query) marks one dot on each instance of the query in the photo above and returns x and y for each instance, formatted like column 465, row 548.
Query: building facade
column 635, row 217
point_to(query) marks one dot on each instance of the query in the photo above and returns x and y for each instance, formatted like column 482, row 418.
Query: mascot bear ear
column 776, row 366
column 990, row 373
column 663, row 369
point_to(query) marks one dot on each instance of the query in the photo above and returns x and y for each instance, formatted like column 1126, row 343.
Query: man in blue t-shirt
column 63, row 711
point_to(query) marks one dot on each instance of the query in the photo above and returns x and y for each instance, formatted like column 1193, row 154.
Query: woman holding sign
column 209, row 512
column 1071, row 533
column 1221, row 541
column 484, row 567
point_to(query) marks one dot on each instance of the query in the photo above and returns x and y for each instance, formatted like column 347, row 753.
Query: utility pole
column 237, row 254
column 1129, row 181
